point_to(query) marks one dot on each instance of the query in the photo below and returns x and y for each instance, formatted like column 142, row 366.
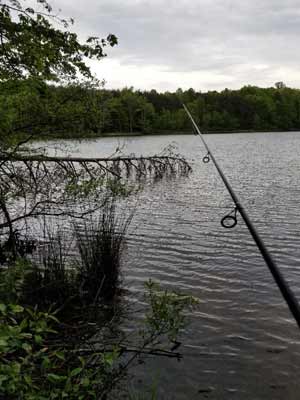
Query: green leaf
column 3, row 343
column 3, row 378
column 85, row 381
column 26, row 347
column 16, row 308
column 23, row 324
column 38, row 339
column 53, row 378
column 2, row 308
column 28, row 380
column 45, row 363
column 75, row 371
column 26, row 335
column 60, row 355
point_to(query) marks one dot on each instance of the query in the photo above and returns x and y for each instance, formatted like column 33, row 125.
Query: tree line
column 81, row 110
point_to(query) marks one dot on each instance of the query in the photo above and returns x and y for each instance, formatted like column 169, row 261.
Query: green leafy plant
column 165, row 316
column 12, row 281
column 38, row 362
column 34, row 367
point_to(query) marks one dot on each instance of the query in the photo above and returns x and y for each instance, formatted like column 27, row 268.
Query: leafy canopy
column 39, row 44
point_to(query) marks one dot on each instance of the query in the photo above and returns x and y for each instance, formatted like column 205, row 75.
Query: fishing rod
column 230, row 220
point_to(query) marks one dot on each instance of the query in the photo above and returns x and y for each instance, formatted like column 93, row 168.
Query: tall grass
column 100, row 245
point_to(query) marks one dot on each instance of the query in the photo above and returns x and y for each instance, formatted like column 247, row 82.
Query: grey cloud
column 200, row 35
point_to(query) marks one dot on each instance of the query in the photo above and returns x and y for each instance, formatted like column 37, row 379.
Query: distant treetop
column 280, row 85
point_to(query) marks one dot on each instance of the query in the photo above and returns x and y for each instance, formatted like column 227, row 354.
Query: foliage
column 32, row 45
column 37, row 362
column 32, row 108
column 37, row 45
column 12, row 281
column 32, row 369
column 166, row 311
column 29, row 107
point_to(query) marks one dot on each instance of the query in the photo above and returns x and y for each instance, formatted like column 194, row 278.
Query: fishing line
column 230, row 221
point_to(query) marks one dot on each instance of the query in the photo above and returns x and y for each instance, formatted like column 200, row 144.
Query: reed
column 100, row 245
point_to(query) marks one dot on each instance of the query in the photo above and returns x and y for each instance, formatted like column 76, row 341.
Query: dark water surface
column 241, row 342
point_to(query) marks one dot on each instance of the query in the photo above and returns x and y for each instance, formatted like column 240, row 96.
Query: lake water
column 241, row 342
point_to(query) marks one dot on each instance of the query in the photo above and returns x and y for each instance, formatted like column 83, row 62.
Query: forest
column 37, row 108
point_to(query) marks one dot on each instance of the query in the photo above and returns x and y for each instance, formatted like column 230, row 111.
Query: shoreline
column 161, row 133
column 168, row 133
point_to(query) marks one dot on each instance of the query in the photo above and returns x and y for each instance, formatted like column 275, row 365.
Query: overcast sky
column 204, row 44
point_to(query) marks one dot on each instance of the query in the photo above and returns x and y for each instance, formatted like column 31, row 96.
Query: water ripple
column 242, row 342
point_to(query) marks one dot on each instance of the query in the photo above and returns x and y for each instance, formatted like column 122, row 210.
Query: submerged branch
column 82, row 160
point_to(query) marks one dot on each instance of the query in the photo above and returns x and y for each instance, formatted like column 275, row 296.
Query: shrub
column 38, row 362
column 34, row 367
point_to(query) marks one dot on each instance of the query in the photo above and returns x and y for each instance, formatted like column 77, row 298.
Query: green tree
column 280, row 85
column 132, row 105
column 37, row 46
column 32, row 46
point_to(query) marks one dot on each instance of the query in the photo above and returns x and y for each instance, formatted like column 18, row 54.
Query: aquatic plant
column 100, row 244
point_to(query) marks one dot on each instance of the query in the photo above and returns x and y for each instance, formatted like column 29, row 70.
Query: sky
column 203, row 44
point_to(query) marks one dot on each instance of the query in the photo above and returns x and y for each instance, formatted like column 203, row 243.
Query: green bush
column 34, row 367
